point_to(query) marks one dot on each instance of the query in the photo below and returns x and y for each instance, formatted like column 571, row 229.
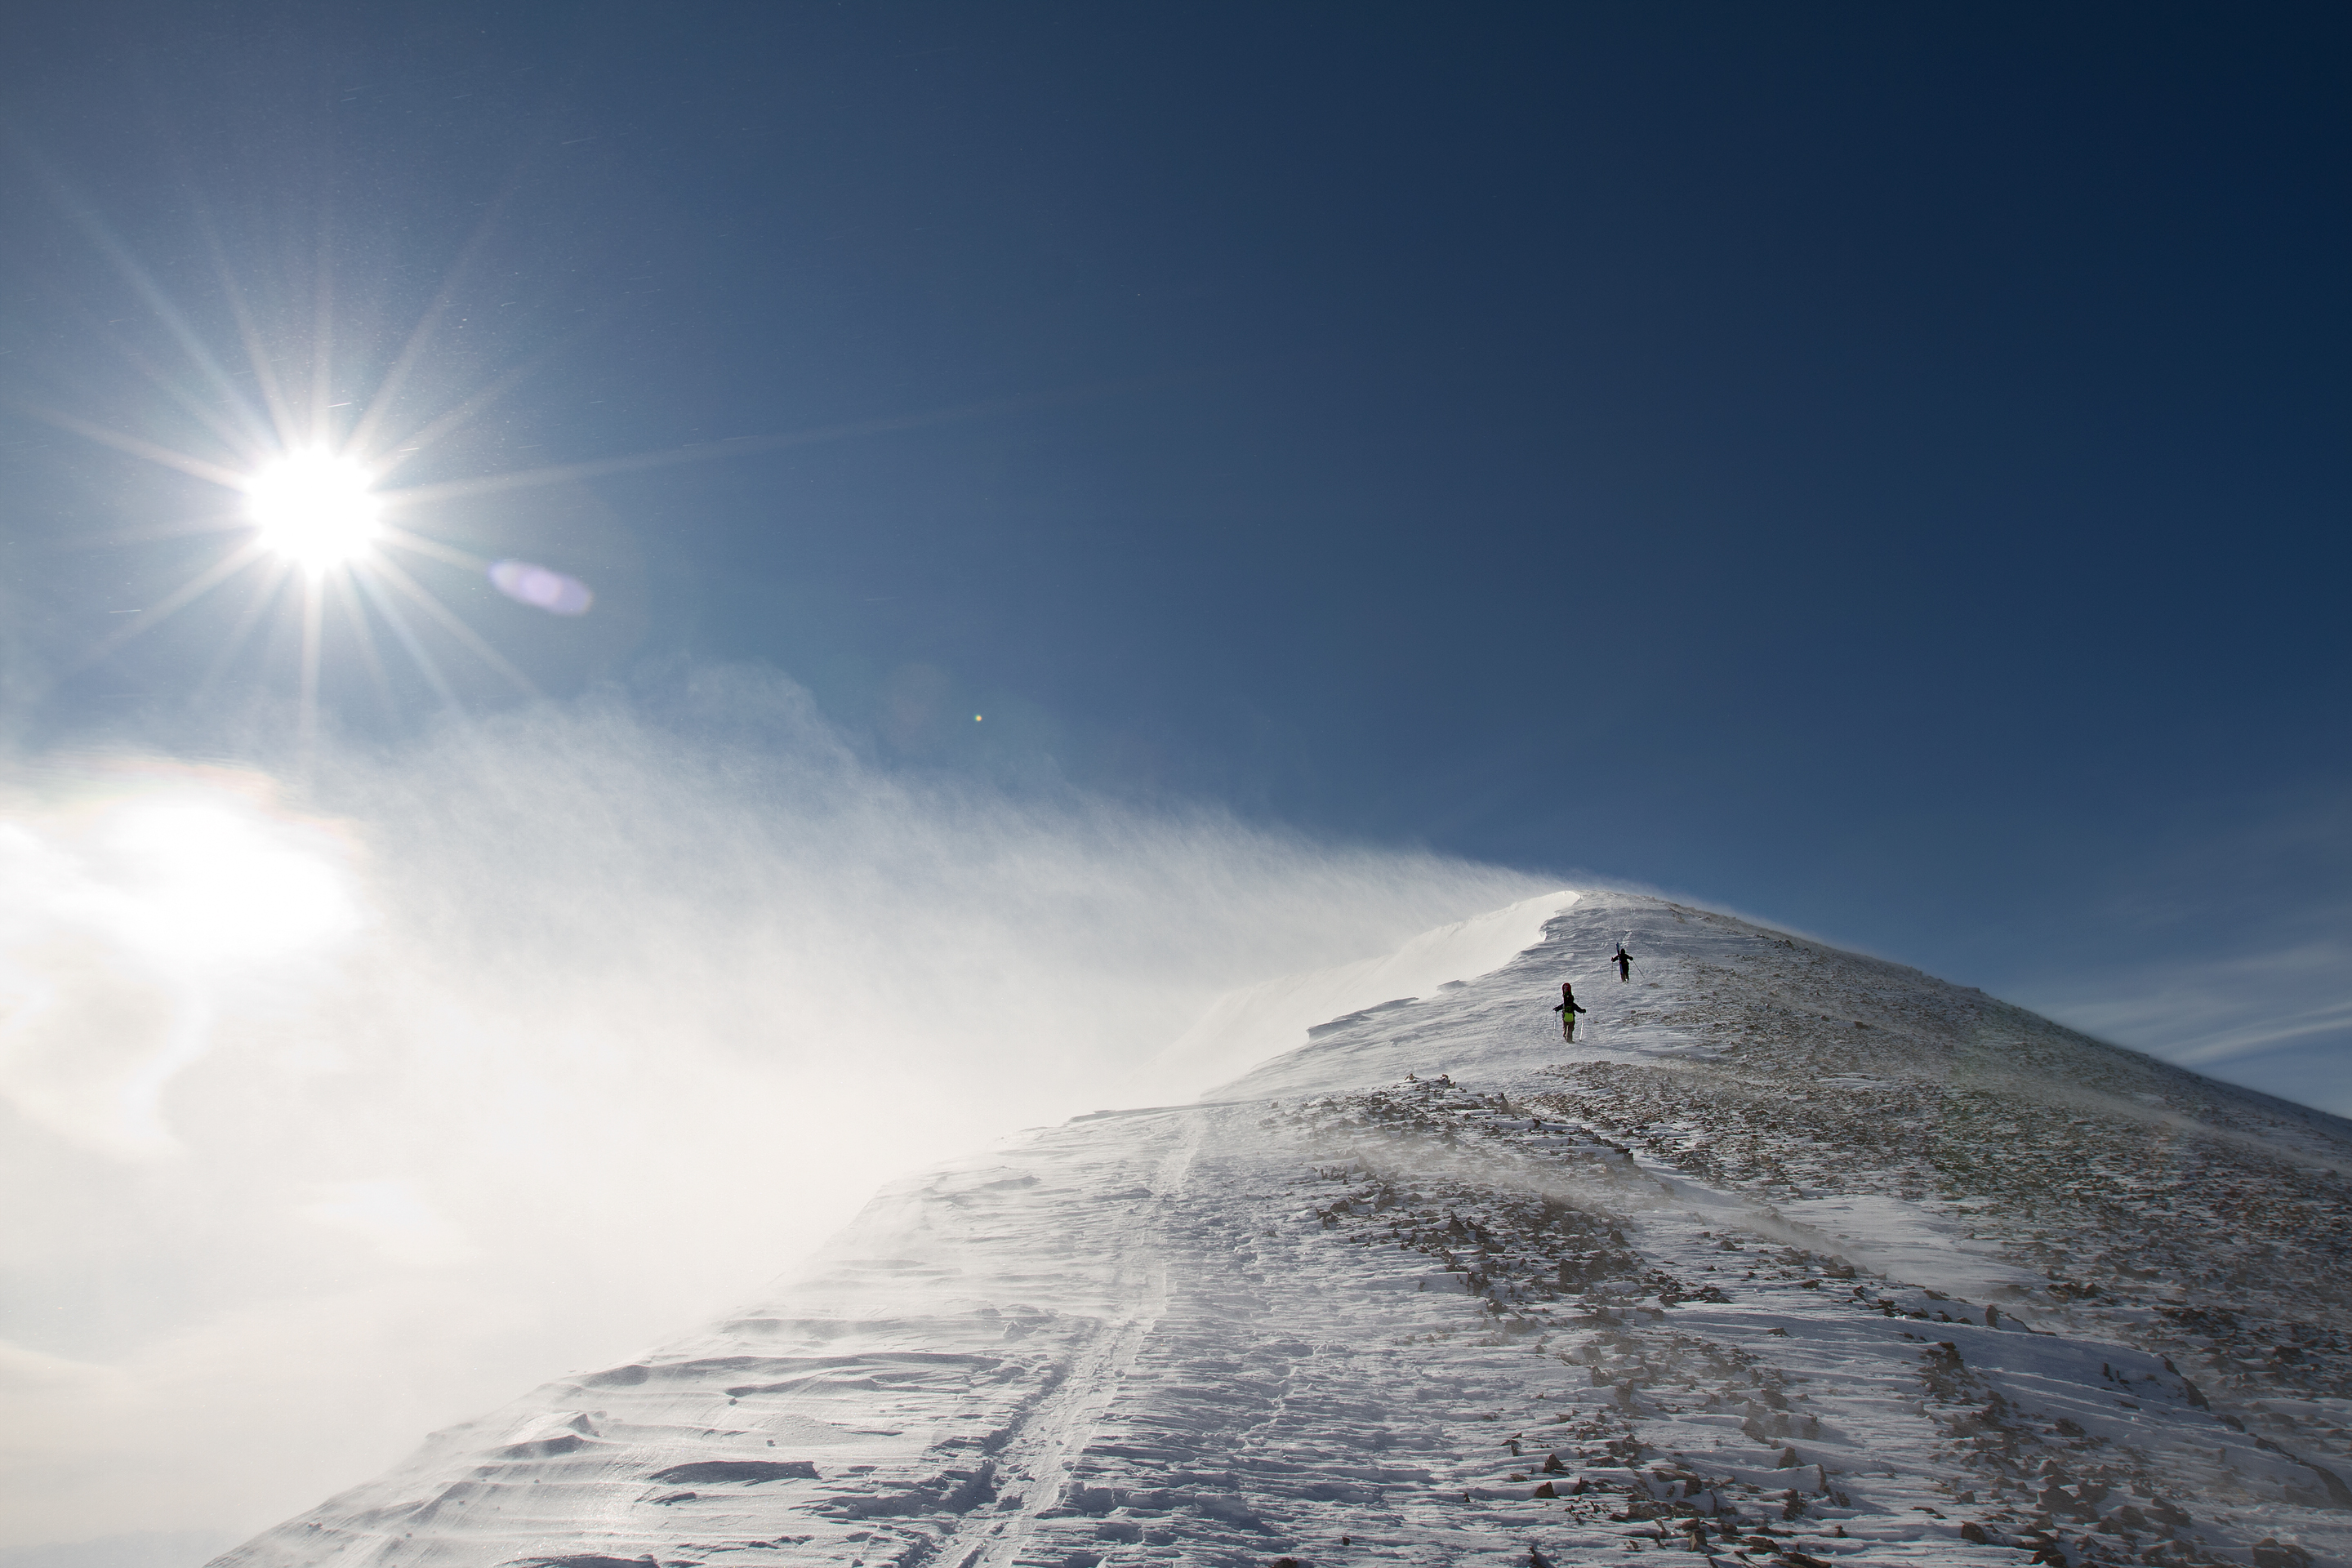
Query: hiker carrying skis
column 1568, row 1010
column 1623, row 961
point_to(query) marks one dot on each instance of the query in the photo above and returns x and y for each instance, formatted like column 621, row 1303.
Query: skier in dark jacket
column 1623, row 961
column 1568, row 1010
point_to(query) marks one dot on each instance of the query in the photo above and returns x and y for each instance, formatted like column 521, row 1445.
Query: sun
column 314, row 509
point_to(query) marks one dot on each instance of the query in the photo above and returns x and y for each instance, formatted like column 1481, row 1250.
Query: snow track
column 1042, row 1450
column 1793, row 1256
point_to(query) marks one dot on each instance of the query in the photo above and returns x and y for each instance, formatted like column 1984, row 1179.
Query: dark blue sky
column 1880, row 468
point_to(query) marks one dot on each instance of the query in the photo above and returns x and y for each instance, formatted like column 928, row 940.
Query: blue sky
column 1878, row 469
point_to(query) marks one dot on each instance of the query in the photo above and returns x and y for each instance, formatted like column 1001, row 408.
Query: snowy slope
column 1793, row 1256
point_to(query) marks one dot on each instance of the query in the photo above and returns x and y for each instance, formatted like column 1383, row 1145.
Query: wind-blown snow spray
column 334, row 1121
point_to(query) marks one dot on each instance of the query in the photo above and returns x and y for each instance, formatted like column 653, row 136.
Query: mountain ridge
column 1792, row 1252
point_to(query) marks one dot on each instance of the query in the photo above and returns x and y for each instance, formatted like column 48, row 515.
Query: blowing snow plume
column 332, row 1121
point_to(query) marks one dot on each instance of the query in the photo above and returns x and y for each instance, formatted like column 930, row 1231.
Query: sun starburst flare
column 320, row 524
column 315, row 509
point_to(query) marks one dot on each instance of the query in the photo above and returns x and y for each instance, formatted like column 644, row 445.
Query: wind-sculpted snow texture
column 1794, row 1257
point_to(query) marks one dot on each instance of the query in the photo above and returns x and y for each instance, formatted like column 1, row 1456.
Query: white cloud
column 135, row 907
column 2251, row 1018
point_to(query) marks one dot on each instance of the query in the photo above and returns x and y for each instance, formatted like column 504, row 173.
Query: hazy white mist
column 332, row 1118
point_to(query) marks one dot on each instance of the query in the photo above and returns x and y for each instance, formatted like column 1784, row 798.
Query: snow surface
column 1792, row 1256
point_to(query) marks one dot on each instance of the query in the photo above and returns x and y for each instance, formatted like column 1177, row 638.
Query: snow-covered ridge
column 1791, row 1255
column 1246, row 1027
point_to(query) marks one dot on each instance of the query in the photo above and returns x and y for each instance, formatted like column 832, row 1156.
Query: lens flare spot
column 315, row 509
column 541, row 589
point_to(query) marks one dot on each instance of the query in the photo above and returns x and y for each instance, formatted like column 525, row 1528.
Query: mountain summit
column 1790, row 1255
